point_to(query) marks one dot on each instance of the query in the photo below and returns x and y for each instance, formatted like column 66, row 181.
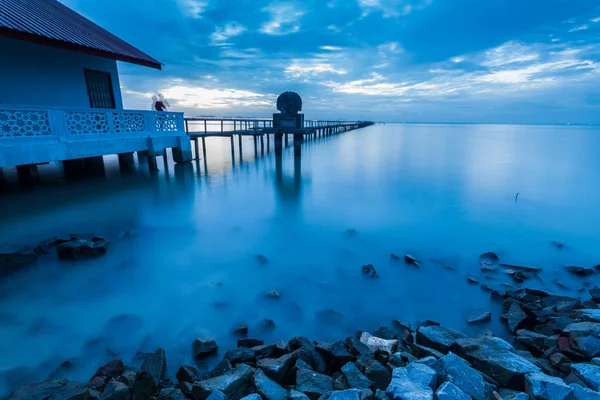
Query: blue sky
column 507, row 61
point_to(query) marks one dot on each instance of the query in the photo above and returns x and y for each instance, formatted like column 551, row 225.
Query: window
column 100, row 89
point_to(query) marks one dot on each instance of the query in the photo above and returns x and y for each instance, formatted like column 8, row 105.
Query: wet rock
column 592, row 315
column 370, row 271
column 438, row 338
column 116, row 391
column 111, row 369
column 253, row 396
column 518, row 276
column 595, row 293
column 171, row 394
column 272, row 294
column 515, row 317
column 486, row 287
column 240, row 355
column 456, row 370
column 488, row 261
column 277, row 368
column 385, row 332
column 296, row 395
column 12, row 259
column 540, row 386
column 187, row 374
column 72, row 391
column 340, row 382
column 410, row 260
column 221, row 368
column 77, row 249
column 98, row 383
column 579, row 271
column 156, row 366
column 249, row 343
column 240, row 329
column 203, row 347
column 267, row 388
column 312, row 357
column 375, row 343
column 395, row 257
column 235, row 384
column 422, row 374
column 266, row 325
column 422, row 351
column 298, row 341
column 560, row 362
column 588, row 373
column 128, row 378
column 557, row 245
column 377, row 373
column 313, row 384
column 581, row 393
column 535, row 342
column 262, row 259
column 38, row 391
column 358, row 349
column 143, row 387
column 216, row 395
column 404, row 387
column 447, row 391
column 355, row 378
column 472, row 279
column 302, row 365
column 507, row 394
column 478, row 316
column 335, row 354
column 348, row 394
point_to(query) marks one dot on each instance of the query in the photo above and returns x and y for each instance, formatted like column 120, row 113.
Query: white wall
column 37, row 75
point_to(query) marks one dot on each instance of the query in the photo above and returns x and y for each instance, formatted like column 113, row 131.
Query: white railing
column 18, row 122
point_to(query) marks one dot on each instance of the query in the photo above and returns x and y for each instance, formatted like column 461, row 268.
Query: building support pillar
column 126, row 162
column 94, row 166
column 28, row 174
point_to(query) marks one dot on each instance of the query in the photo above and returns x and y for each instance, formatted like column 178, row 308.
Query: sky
column 478, row 61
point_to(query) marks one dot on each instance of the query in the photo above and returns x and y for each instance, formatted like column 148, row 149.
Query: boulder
column 156, row 365
column 595, row 293
column 171, row 394
column 262, row 259
column 515, row 317
column 438, row 338
column 203, row 347
column 588, row 345
column 240, row 355
column 143, row 386
column 385, row 332
column 38, row 391
column 298, row 341
column 313, row 384
column 472, row 279
column 375, row 343
column 355, row 378
column 591, row 315
column 456, row 370
column 116, row 391
column 216, row 395
column 410, row 260
column 423, row 352
column 380, row 395
column 478, row 316
column 240, row 329
column 267, row 388
column 589, row 374
column 404, row 387
column 296, row 395
column 581, row 393
column 358, row 349
column 448, row 391
column 378, row 374
column 235, row 384
column 370, row 271
column 111, row 369
column 507, row 394
column 249, row 343
column 223, row 366
column 312, row 357
column 72, row 391
column 187, row 374
column 535, row 342
column 272, row 294
column 76, row 249
column 12, row 259
column 348, row 394
column 488, row 261
column 253, row 396
column 266, row 325
column 335, row 354
column 579, row 271
column 540, row 386
column 98, row 383
column 277, row 368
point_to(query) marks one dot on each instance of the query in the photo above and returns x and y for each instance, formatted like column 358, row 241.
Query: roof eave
column 29, row 37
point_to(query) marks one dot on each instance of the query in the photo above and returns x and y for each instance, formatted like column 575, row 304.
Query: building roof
column 51, row 23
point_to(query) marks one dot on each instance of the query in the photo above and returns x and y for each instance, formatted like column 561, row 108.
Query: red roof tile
column 52, row 23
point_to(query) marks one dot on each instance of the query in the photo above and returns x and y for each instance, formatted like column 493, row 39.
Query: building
column 58, row 66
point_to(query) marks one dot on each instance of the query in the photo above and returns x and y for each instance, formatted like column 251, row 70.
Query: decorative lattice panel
column 128, row 122
column 165, row 122
column 16, row 123
column 79, row 123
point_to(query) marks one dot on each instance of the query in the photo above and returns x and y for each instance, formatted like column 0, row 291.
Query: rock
column 267, row 388
column 588, row 373
column 301, row 364
column 240, row 355
column 296, row 395
column 277, row 368
column 38, row 391
column 72, row 391
column 143, row 387
column 395, row 257
column 335, row 354
column 591, row 315
column 454, row 369
column 370, row 271
column 249, row 343
column 422, row 374
column 535, row 342
column 273, row 294
column 560, row 362
column 472, row 279
column 217, row 395
column 156, row 365
column 253, row 396
column 262, row 259
column 128, row 378
column 410, row 260
column 111, row 369
column 12, row 259
column 203, row 347
column 385, row 332
column 378, row 374
column 241, row 329
column 358, row 349
column 374, row 343
column 348, row 394
column 171, row 394
column 580, row 271
column 221, row 368
column 312, row 383
column 116, row 391
column 488, row 261
column 98, row 383
column 540, row 386
column 404, row 387
column 76, row 249
column 595, row 293
column 266, row 325
column 581, row 393
column 298, row 341
column 447, row 391
column 422, row 351
column 355, row 378
column 507, row 394
column 515, row 317
column 235, row 384
column 518, row 276
column 479, row 316
column 380, row 395
column 312, row 357
column 187, row 374
column 438, row 338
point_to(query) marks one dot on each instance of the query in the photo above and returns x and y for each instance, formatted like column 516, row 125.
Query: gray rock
column 378, row 374
column 478, row 316
column 77, row 249
column 335, row 354
column 370, row 271
column 426, row 360
column 422, row 374
column 267, row 388
column 240, row 355
column 249, row 343
column 532, row 340
column 375, row 343
column 302, row 365
column 156, row 365
column 12, row 259
column 588, row 373
column 447, row 391
column 358, row 349
column 355, row 378
column 187, row 374
column 111, row 369
column 234, row 384
column 38, row 391
column 508, row 394
column 385, row 332
column 296, row 395
column 72, row 391
column 216, row 395
column 116, row 391
column 203, row 347
column 273, row 294
column 540, row 386
column 438, row 338
column 253, row 396
column 298, row 341
column 143, row 386
column 311, row 356
column 587, row 314
column 171, row 394
column 595, row 361
column 515, row 317
column 581, row 393
column 589, row 345
column 312, row 383
column 423, row 351
column 221, row 368
column 403, row 387
column 454, row 369
column 349, row 394
column 380, row 395
column 595, row 293
column 580, row 271
column 277, row 368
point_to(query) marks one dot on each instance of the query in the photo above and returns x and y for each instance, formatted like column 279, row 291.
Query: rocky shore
column 551, row 354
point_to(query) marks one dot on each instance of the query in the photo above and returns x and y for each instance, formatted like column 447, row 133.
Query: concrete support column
column 152, row 163
column 73, row 169
column 28, row 173
column 182, row 153
column 126, row 162
column 94, row 166
column 278, row 143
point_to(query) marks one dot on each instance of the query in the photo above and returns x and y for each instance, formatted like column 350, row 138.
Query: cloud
column 595, row 20
column 302, row 69
column 193, row 8
column 579, row 28
column 221, row 34
column 391, row 8
column 330, row 48
column 509, row 53
column 284, row 17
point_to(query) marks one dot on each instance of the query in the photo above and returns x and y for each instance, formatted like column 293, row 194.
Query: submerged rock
column 579, row 271
column 76, row 249
column 235, row 384
column 478, row 317
column 370, row 271
column 472, row 279
column 203, row 347
column 156, row 365
column 240, row 329
column 250, row 342
column 438, row 338
column 273, row 294
column 410, row 260
column 262, row 259
column 12, row 259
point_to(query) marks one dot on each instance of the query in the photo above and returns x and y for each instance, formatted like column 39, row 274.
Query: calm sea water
column 188, row 268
